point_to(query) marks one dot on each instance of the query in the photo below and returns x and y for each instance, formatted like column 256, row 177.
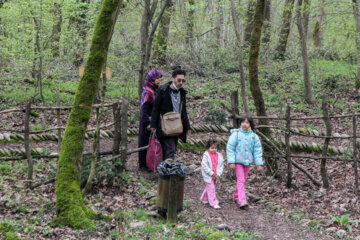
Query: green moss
column 11, row 236
column 70, row 207
column 207, row 231
column 34, row 113
column 199, row 225
column 4, row 141
column 216, row 235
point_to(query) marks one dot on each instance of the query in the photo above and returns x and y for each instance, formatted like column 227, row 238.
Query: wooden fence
column 120, row 117
column 288, row 120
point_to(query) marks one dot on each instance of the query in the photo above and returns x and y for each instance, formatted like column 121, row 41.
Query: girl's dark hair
column 211, row 142
column 250, row 119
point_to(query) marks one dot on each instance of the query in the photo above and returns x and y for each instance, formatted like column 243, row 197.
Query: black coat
column 163, row 105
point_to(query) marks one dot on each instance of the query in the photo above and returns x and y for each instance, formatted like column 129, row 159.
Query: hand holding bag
column 154, row 153
column 171, row 124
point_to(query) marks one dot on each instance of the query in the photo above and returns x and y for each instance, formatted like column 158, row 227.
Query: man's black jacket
column 163, row 105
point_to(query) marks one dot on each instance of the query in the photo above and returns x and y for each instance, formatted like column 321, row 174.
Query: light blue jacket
column 243, row 147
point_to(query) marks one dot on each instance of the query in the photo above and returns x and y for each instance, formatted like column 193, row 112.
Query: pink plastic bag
column 154, row 153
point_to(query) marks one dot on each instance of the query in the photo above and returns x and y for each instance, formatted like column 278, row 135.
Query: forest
column 72, row 75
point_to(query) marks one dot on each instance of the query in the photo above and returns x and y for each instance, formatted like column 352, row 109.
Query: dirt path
column 256, row 219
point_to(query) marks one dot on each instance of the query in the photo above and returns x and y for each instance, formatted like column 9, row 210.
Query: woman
column 152, row 82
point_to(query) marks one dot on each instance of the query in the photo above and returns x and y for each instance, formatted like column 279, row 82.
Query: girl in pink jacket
column 212, row 166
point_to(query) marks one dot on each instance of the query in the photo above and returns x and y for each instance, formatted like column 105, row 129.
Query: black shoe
column 144, row 169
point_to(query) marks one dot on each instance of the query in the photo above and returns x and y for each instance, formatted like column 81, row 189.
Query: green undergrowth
column 281, row 82
column 141, row 224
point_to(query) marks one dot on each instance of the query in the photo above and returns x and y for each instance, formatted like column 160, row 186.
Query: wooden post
column 323, row 172
column 356, row 187
column 117, row 134
column 58, row 119
column 235, row 108
column 173, row 199
column 287, row 142
column 124, row 127
column 27, row 144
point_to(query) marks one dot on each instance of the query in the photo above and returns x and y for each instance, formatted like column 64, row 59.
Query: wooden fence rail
column 328, row 136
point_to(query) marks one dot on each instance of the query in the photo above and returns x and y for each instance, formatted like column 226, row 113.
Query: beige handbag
column 171, row 124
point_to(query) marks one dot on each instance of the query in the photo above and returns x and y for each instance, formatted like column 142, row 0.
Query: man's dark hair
column 178, row 71
column 250, row 119
column 210, row 142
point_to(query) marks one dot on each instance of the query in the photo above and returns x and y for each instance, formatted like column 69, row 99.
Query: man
column 169, row 98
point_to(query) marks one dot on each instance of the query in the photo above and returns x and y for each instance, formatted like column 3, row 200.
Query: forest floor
column 304, row 213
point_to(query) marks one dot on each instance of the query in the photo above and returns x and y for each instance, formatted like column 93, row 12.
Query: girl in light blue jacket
column 243, row 148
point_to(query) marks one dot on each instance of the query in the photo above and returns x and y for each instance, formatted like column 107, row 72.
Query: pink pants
column 209, row 193
column 241, row 176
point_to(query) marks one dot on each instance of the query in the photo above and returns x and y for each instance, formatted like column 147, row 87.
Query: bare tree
column 236, row 23
column 190, row 19
column 303, row 41
column 317, row 34
column 357, row 39
column 267, row 23
column 56, row 31
column 219, row 23
column 146, row 37
column 285, row 29
column 163, row 34
column 249, row 21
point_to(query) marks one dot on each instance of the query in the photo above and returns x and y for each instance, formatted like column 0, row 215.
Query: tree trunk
column 357, row 39
column 306, row 15
column 190, row 24
column 267, row 22
column 317, row 36
column 254, row 62
column 272, row 165
column 163, row 34
column 285, row 30
column 323, row 172
column 303, row 41
column 236, row 23
column 56, row 31
column 99, row 114
column 249, row 18
column 81, row 27
column 219, row 24
column 38, row 55
column 70, row 207
column 147, row 38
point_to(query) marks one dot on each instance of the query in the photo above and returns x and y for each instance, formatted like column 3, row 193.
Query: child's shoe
column 243, row 205
column 204, row 202
column 216, row 206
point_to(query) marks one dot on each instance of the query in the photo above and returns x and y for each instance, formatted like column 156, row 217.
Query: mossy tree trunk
column 163, row 34
column 272, row 164
column 81, row 26
column 236, row 23
column 267, row 23
column 219, row 24
column 285, row 29
column 56, row 31
column 249, row 19
column 357, row 39
column 70, row 207
column 190, row 19
column 317, row 34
